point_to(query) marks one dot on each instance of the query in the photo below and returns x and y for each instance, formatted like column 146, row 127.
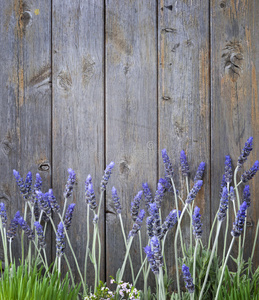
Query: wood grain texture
column 78, row 111
column 131, row 116
column 184, row 103
column 235, row 106
column 25, row 92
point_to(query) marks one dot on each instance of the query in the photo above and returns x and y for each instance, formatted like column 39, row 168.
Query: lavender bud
column 147, row 194
column 223, row 184
column 228, row 169
column 194, row 191
column 26, row 228
column 248, row 175
column 11, row 232
column 91, row 195
column 24, row 187
column 87, row 182
column 44, row 202
column 159, row 195
column 188, row 279
column 37, row 187
column 137, row 224
column 151, row 259
column 223, row 205
column 238, row 225
column 232, row 195
column 196, row 223
column 53, row 201
column 27, row 184
column 153, row 211
column 68, row 216
column 106, row 176
column 116, row 200
column 40, row 234
column 184, row 164
column 157, row 252
column 167, row 163
column 135, row 205
column 170, row 221
column 3, row 214
column 167, row 185
column 200, row 172
column 60, row 240
column 36, row 210
column 70, row 183
column 245, row 152
column 247, row 195
column 150, row 223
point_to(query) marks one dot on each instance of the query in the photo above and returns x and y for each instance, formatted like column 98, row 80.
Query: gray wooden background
column 86, row 82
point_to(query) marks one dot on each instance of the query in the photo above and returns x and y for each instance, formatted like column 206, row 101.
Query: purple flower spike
column 147, row 194
column 248, row 175
column 170, row 221
column 26, row 228
column 53, row 201
column 21, row 184
column 194, row 191
column 40, row 234
column 116, row 200
column 188, row 279
column 247, row 195
column 153, row 211
column 228, row 169
column 135, row 205
column 37, row 187
column 245, row 152
column 70, row 183
column 106, row 176
column 223, row 205
column 223, row 184
column 159, row 195
column 60, row 240
column 11, row 232
column 36, row 209
column 167, row 163
column 238, row 225
column 137, row 224
column 149, row 225
column 44, row 203
column 167, row 184
column 151, row 259
column 28, row 182
column 200, row 172
column 157, row 252
column 91, row 199
column 3, row 214
column 87, row 182
column 232, row 195
column 68, row 216
column 196, row 223
column 184, row 164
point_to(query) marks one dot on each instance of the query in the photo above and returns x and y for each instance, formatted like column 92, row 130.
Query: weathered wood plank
column 235, row 107
column 184, row 103
column 25, row 92
column 131, row 116
column 78, row 110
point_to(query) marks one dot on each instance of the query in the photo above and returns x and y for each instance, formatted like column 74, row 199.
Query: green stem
column 45, row 266
column 226, row 230
column 100, row 251
column 4, row 243
column 161, row 285
column 255, row 239
column 87, row 240
column 194, row 260
column 10, row 251
column 59, row 264
column 224, row 266
column 64, row 208
column 140, row 248
column 211, row 231
column 135, row 281
column 22, row 236
column 46, row 260
column 187, row 188
column 94, row 258
column 145, row 283
column 210, row 261
column 163, row 253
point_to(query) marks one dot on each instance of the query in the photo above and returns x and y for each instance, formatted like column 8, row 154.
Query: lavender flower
column 3, row 214
column 247, row 195
column 36, row 210
column 223, row 184
column 150, row 223
column 151, row 259
column 53, row 201
column 116, row 200
column 194, row 191
column 40, row 234
column 135, row 205
column 68, row 216
column 11, row 232
column 168, row 165
column 223, row 205
column 153, row 211
column 196, row 223
column 44, row 202
column 87, row 182
column 232, row 195
column 147, row 194
column 159, row 195
column 157, row 252
column 184, row 164
column 167, row 185
column 228, row 169
column 70, row 183
column 91, row 195
column 137, row 224
column 60, row 240
column 23, row 187
column 188, row 279
column 106, row 176
column 245, row 152
column 238, row 225
column 26, row 228
column 247, row 175
column 37, row 187
column 170, row 221
column 27, row 183
column 200, row 172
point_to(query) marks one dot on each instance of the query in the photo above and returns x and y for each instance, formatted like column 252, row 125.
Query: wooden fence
column 83, row 83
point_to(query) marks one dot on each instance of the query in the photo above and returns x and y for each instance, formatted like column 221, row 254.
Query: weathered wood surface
column 234, row 98
column 184, row 104
column 25, row 92
column 78, row 111
column 131, row 116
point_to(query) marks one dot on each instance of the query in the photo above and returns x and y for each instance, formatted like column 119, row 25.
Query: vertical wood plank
column 131, row 116
column 184, row 102
column 78, row 106
column 25, row 92
column 235, row 107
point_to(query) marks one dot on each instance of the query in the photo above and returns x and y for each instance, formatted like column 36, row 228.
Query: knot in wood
column 64, row 81
column 26, row 18
column 44, row 167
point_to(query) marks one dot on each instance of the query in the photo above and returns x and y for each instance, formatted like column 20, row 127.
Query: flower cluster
column 116, row 200
column 26, row 228
column 194, row 191
column 200, row 172
column 44, row 203
column 196, row 223
column 170, row 221
column 137, row 224
column 159, row 195
column 147, row 194
column 11, row 232
column 70, row 183
column 156, row 221
column 91, row 197
column 184, row 164
column 40, row 234
column 3, row 214
column 24, row 186
column 68, row 216
column 238, row 225
column 135, row 205
column 249, row 174
column 245, row 152
column 37, row 187
column 223, row 205
column 168, row 165
column 60, row 240
column 247, row 195
column 53, row 202
column 188, row 279
column 228, row 169
column 106, row 176
column 154, row 255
